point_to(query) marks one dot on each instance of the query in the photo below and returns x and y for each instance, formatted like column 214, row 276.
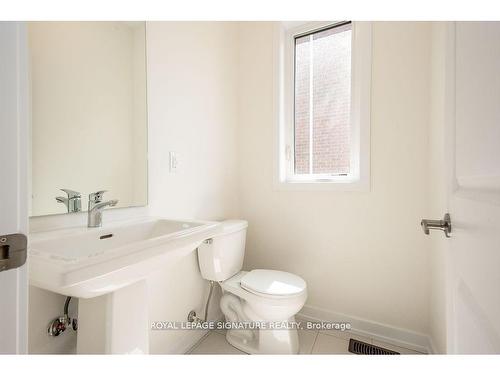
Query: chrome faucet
column 73, row 202
column 96, row 205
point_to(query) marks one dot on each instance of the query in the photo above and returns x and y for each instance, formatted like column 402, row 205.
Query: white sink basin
column 89, row 262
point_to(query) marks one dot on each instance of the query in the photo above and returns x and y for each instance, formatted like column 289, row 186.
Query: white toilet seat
column 234, row 286
column 272, row 283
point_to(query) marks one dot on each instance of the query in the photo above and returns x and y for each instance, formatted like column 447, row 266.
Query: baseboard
column 378, row 331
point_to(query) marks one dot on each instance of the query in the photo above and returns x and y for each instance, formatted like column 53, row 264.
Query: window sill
column 340, row 185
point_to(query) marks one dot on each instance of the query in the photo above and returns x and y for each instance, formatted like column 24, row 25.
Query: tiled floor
column 311, row 342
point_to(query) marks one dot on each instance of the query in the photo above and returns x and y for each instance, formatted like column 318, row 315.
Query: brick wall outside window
column 331, row 89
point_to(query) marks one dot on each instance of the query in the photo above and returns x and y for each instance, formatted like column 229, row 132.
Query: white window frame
column 358, row 178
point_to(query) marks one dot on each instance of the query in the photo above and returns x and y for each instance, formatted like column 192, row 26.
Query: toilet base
column 278, row 341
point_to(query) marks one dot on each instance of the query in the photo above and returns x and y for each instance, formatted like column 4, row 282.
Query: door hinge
column 13, row 251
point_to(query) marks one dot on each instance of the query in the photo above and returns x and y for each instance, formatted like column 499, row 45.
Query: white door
column 14, row 119
column 474, row 199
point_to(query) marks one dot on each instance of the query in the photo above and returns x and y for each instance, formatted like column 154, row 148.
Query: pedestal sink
column 106, row 268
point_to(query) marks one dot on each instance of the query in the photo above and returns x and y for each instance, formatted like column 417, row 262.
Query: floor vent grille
column 359, row 347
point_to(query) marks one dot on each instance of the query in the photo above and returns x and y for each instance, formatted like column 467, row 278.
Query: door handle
column 443, row 225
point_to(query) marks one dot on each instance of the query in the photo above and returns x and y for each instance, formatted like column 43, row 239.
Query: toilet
column 267, row 300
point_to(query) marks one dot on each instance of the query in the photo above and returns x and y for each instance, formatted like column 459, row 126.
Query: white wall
column 192, row 100
column 192, row 97
column 362, row 254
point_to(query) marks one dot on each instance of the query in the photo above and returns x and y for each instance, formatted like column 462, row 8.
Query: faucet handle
column 72, row 193
column 97, row 196
column 73, row 202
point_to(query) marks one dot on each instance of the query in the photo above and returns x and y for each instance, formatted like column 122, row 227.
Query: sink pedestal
column 115, row 323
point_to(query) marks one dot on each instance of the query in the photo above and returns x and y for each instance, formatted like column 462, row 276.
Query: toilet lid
column 276, row 283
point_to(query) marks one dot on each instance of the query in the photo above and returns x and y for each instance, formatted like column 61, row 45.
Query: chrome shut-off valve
column 61, row 323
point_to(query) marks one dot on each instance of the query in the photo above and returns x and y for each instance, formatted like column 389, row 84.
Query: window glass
column 322, row 102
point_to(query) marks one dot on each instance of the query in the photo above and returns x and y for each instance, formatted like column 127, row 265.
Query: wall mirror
column 89, row 114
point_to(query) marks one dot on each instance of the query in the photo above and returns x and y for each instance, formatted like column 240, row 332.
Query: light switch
column 173, row 161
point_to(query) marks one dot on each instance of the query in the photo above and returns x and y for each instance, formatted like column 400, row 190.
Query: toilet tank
column 222, row 256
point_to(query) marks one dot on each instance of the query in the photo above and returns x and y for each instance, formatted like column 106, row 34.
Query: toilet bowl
column 272, row 306
column 259, row 305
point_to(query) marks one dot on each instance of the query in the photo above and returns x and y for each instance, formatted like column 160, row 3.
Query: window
column 325, row 95
column 322, row 102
